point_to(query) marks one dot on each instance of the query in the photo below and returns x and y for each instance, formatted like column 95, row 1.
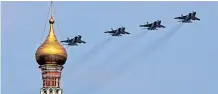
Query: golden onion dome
column 51, row 51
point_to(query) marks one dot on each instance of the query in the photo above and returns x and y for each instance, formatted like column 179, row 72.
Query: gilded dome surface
column 51, row 51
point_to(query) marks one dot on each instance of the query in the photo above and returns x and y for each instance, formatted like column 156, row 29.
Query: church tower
column 51, row 56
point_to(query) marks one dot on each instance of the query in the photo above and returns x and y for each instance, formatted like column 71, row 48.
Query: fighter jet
column 188, row 18
column 153, row 26
column 118, row 32
column 150, row 26
column 73, row 41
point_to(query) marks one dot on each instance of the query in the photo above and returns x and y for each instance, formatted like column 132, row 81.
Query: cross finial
column 51, row 21
column 51, row 9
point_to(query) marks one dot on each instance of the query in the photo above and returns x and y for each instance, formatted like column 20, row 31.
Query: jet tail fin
column 159, row 22
column 75, row 38
column 79, row 37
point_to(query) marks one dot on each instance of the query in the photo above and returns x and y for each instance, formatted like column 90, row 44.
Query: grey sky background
column 184, row 63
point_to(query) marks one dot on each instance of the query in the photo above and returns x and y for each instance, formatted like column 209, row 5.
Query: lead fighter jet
column 153, row 26
column 73, row 41
column 187, row 18
column 118, row 32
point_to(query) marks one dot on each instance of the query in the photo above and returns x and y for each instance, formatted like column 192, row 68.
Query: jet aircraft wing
column 195, row 18
column 71, row 44
column 146, row 25
column 181, row 17
column 162, row 26
column 110, row 31
column 125, row 32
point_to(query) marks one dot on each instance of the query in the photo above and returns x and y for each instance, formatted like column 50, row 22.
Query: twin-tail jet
column 153, row 26
column 188, row 18
column 73, row 41
column 118, row 32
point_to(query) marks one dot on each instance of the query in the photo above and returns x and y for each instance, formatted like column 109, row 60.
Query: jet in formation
column 187, row 18
column 153, row 26
column 73, row 41
column 118, row 32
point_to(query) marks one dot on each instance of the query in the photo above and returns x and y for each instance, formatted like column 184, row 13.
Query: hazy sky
column 185, row 63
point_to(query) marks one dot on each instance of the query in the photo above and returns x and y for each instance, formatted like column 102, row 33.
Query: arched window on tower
column 44, row 91
column 50, row 91
column 53, row 80
column 49, row 81
column 58, row 82
column 46, row 82
column 57, row 91
column 43, row 83
column 55, row 84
